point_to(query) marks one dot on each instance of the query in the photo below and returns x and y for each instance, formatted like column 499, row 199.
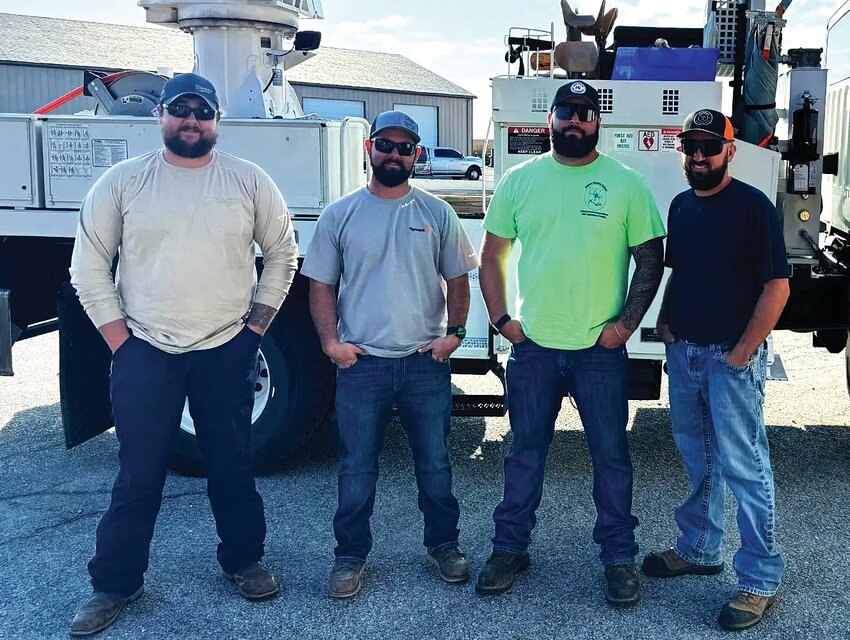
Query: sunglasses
column 386, row 146
column 182, row 111
column 709, row 148
column 567, row 111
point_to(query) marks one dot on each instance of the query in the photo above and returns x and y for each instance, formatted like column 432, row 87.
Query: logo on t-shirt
column 425, row 229
column 596, row 195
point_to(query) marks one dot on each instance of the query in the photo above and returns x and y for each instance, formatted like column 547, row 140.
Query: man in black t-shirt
column 728, row 286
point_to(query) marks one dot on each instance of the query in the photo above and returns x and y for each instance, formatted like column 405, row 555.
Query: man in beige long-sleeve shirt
column 184, row 318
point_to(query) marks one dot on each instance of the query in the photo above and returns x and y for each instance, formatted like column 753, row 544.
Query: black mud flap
column 84, row 362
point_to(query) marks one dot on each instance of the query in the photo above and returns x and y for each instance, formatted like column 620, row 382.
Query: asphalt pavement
column 51, row 500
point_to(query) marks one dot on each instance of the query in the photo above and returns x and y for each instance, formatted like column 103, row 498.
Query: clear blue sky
column 459, row 39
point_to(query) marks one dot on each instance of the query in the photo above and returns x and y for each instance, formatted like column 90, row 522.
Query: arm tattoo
column 262, row 316
column 649, row 267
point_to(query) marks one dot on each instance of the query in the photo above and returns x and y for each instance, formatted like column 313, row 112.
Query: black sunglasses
column 709, row 148
column 386, row 146
column 585, row 112
column 182, row 111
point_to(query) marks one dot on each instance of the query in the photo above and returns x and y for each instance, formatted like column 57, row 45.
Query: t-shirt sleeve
column 670, row 244
column 323, row 261
column 772, row 261
column 644, row 221
column 500, row 219
column 457, row 256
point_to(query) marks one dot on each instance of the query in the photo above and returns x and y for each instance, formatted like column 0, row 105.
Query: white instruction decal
column 106, row 153
column 69, row 150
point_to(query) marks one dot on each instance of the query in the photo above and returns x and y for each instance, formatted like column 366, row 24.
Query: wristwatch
column 460, row 332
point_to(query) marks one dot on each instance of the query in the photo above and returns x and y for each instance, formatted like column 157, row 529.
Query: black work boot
column 346, row 578
column 100, row 611
column 622, row 588
column 499, row 572
column 451, row 564
column 254, row 582
column 744, row 610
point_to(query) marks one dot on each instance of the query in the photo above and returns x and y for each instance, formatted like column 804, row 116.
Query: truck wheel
column 473, row 173
column 292, row 399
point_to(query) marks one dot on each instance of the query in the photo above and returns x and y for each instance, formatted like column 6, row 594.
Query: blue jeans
column 365, row 394
column 718, row 426
column 537, row 380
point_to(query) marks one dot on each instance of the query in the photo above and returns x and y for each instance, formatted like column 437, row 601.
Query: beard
column 390, row 174
column 179, row 147
column 570, row 146
column 704, row 181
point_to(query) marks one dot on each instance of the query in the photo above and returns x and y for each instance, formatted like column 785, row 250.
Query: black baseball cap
column 189, row 84
column 577, row 90
column 709, row 121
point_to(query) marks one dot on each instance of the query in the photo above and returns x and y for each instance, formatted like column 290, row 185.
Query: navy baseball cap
column 189, row 84
column 395, row 120
column 577, row 90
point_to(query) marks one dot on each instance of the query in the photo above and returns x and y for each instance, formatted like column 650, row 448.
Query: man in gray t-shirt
column 401, row 259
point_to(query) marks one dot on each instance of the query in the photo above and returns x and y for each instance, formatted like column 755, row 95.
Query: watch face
column 461, row 333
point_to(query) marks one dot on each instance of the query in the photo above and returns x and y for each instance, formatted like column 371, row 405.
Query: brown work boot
column 669, row 564
column 744, row 610
column 100, row 611
column 254, row 582
column 451, row 564
column 346, row 578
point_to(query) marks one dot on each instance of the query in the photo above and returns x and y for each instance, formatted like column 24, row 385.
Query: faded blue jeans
column 718, row 426
column 538, row 378
column 365, row 394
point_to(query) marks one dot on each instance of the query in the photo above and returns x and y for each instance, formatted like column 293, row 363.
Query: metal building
column 44, row 58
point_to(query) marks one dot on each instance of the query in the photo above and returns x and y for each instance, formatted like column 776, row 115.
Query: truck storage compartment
column 655, row 63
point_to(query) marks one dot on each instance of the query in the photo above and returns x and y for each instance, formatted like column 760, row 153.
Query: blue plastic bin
column 654, row 63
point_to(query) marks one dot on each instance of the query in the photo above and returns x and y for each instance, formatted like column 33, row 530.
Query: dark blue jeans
column 597, row 378
column 149, row 388
column 365, row 394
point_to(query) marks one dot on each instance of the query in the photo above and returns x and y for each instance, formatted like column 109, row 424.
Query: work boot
column 669, row 564
column 451, row 564
column 346, row 578
column 744, row 610
column 622, row 587
column 254, row 582
column 100, row 611
column 499, row 572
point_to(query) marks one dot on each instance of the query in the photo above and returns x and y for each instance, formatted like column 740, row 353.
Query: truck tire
column 293, row 397
column 473, row 173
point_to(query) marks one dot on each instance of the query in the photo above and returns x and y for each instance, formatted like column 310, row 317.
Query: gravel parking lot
column 51, row 499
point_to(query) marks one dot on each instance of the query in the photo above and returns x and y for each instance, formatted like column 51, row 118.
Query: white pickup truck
column 445, row 161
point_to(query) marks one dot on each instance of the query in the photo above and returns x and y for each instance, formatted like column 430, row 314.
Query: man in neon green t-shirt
column 579, row 217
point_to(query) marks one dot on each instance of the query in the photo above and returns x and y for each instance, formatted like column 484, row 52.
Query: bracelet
column 619, row 335
column 501, row 322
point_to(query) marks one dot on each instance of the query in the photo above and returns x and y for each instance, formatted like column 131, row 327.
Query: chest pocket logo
column 596, row 195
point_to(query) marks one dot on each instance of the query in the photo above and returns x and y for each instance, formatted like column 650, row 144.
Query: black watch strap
column 501, row 322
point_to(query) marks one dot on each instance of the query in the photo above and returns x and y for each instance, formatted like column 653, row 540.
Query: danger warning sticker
column 670, row 140
column 528, row 141
column 648, row 139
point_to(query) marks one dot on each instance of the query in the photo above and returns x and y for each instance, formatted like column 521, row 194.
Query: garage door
column 426, row 118
column 331, row 109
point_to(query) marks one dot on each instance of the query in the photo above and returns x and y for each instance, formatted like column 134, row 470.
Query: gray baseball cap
column 395, row 120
